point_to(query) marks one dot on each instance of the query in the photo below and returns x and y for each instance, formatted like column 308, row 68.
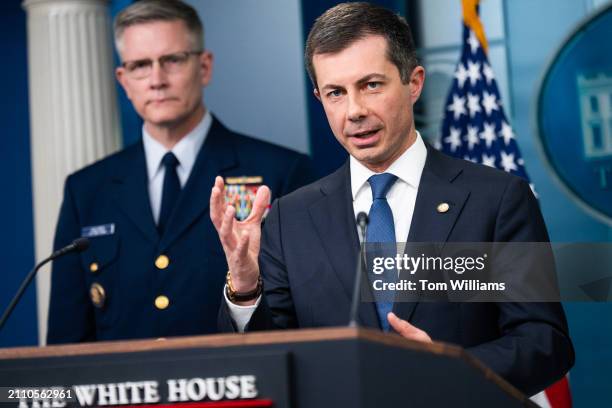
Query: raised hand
column 240, row 239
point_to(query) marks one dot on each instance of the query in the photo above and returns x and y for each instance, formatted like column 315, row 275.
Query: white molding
column 73, row 109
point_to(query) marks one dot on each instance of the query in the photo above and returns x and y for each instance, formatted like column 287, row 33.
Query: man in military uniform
column 155, row 266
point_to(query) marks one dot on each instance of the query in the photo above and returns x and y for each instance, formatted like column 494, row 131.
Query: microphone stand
column 362, row 222
column 77, row 245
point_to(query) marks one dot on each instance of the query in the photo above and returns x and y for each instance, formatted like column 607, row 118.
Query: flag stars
column 488, row 134
column 475, row 126
column 457, row 106
column 506, row 133
column 488, row 73
column 473, row 42
column 461, row 75
column 454, row 139
column 507, row 161
column 488, row 160
column 473, row 103
column 472, row 136
column 473, row 72
column 489, row 102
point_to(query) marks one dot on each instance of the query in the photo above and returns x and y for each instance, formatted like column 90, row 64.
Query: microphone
column 362, row 223
column 78, row 245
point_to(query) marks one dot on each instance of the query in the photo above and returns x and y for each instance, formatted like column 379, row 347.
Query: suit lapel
column 217, row 154
column 436, row 187
column 334, row 220
column 428, row 224
column 132, row 194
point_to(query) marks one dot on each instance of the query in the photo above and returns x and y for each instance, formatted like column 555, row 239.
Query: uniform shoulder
column 309, row 194
column 105, row 167
column 251, row 145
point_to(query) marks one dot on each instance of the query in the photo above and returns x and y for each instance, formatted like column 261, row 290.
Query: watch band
column 235, row 296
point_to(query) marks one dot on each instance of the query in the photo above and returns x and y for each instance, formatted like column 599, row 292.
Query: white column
column 73, row 108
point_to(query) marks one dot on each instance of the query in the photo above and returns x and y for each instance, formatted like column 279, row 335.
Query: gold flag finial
column 472, row 20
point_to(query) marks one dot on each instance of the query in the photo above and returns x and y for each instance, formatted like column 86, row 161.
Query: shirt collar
column 408, row 167
column 186, row 150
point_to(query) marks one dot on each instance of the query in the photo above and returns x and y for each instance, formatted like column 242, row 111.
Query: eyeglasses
column 170, row 63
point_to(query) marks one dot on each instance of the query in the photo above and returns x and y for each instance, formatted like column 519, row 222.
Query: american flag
column 475, row 126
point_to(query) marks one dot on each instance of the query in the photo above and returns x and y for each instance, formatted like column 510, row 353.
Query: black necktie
column 170, row 192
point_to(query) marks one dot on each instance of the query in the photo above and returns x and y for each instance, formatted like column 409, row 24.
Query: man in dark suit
column 362, row 62
column 155, row 266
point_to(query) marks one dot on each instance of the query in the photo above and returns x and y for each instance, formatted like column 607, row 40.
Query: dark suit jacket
column 114, row 191
column 310, row 246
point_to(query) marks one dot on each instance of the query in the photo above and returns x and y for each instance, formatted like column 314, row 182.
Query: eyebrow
column 370, row 77
column 360, row 81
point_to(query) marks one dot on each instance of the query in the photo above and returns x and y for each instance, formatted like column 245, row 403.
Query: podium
column 332, row 367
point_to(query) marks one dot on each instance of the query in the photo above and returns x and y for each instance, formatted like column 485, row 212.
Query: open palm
column 240, row 239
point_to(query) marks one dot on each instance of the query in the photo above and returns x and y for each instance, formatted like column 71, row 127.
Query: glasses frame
column 160, row 60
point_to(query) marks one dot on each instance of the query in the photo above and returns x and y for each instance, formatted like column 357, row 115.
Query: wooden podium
column 338, row 367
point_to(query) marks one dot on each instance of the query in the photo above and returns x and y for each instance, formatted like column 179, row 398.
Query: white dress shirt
column 186, row 152
column 401, row 198
column 402, row 195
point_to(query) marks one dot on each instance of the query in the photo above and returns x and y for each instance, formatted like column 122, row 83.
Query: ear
column 317, row 94
column 206, row 67
column 417, row 79
column 122, row 79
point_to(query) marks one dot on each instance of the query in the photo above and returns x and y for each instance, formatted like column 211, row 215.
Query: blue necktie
column 381, row 229
column 170, row 192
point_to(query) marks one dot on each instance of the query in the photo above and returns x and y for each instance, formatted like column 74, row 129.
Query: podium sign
column 302, row 368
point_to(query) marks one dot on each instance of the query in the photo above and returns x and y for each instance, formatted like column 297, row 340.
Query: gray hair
column 147, row 11
column 342, row 25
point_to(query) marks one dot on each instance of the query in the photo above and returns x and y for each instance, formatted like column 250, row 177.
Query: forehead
column 153, row 39
column 363, row 57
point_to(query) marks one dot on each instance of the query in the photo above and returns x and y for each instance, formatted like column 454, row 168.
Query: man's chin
column 371, row 160
column 365, row 158
column 163, row 121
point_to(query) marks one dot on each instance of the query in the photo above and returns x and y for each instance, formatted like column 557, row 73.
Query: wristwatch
column 235, row 296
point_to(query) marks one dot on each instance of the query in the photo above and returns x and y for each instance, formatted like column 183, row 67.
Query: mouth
column 365, row 138
column 159, row 101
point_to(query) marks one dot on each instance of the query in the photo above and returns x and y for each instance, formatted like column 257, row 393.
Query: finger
column 217, row 202
column 407, row 330
column 260, row 204
column 226, row 232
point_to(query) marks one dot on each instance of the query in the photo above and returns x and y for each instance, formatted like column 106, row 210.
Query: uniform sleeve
column 71, row 317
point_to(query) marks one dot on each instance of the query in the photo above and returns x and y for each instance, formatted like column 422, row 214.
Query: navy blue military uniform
column 132, row 282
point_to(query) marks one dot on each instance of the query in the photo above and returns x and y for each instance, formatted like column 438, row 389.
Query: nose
column 158, row 77
column 356, row 110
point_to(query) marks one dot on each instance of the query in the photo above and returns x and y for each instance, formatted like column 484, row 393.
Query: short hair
column 346, row 23
column 147, row 11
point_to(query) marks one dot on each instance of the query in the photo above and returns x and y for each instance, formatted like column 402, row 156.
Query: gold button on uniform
column 94, row 267
column 162, row 262
column 162, row 302
column 443, row 207
column 97, row 295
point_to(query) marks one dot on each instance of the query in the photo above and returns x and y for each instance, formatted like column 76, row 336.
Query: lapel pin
column 443, row 207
